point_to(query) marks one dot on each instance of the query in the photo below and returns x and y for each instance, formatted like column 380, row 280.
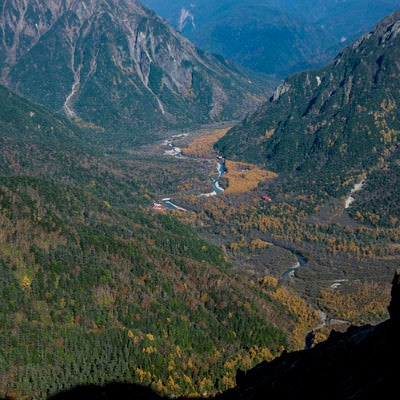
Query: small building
column 158, row 206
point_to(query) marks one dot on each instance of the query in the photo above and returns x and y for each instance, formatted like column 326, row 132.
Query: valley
column 169, row 219
column 262, row 238
column 89, row 265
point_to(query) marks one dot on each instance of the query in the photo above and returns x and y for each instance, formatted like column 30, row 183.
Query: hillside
column 337, row 124
column 118, row 68
column 36, row 141
column 356, row 364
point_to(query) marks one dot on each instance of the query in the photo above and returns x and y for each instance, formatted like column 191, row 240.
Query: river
column 301, row 261
column 215, row 182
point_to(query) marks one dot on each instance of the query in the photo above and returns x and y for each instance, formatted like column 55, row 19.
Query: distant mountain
column 346, row 20
column 327, row 128
column 278, row 36
column 117, row 67
column 255, row 34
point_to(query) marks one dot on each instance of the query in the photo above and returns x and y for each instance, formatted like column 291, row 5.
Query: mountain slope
column 32, row 135
column 255, row 34
column 116, row 66
column 356, row 365
column 336, row 124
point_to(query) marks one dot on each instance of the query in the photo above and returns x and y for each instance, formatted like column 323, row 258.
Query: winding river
column 301, row 261
column 215, row 182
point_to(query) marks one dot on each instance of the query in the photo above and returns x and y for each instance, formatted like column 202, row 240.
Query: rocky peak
column 383, row 34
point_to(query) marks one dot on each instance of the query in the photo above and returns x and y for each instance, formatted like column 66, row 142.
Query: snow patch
column 358, row 186
column 184, row 18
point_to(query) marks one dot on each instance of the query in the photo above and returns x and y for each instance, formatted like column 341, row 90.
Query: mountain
column 345, row 20
column 277, row 37
column 99, row 287
column 117, row 67
column 356, row 364
column 254, row 34
column 337, row 124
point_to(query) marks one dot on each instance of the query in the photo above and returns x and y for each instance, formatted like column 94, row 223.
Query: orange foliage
column 367, row 299
column 298, row 306
column 243, row 177
column 203, row 146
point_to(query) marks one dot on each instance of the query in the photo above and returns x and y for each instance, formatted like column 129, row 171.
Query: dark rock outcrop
column 394, row 306
column 111, row 391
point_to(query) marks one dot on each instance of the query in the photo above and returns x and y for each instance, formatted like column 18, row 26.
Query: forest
column 97, row 287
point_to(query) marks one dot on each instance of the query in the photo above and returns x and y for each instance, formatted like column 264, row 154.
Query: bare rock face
column 22, row 24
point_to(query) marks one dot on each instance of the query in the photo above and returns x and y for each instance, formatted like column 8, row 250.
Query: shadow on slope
column 110, row 391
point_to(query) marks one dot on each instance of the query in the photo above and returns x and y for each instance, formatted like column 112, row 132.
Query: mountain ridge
column 275, row 37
